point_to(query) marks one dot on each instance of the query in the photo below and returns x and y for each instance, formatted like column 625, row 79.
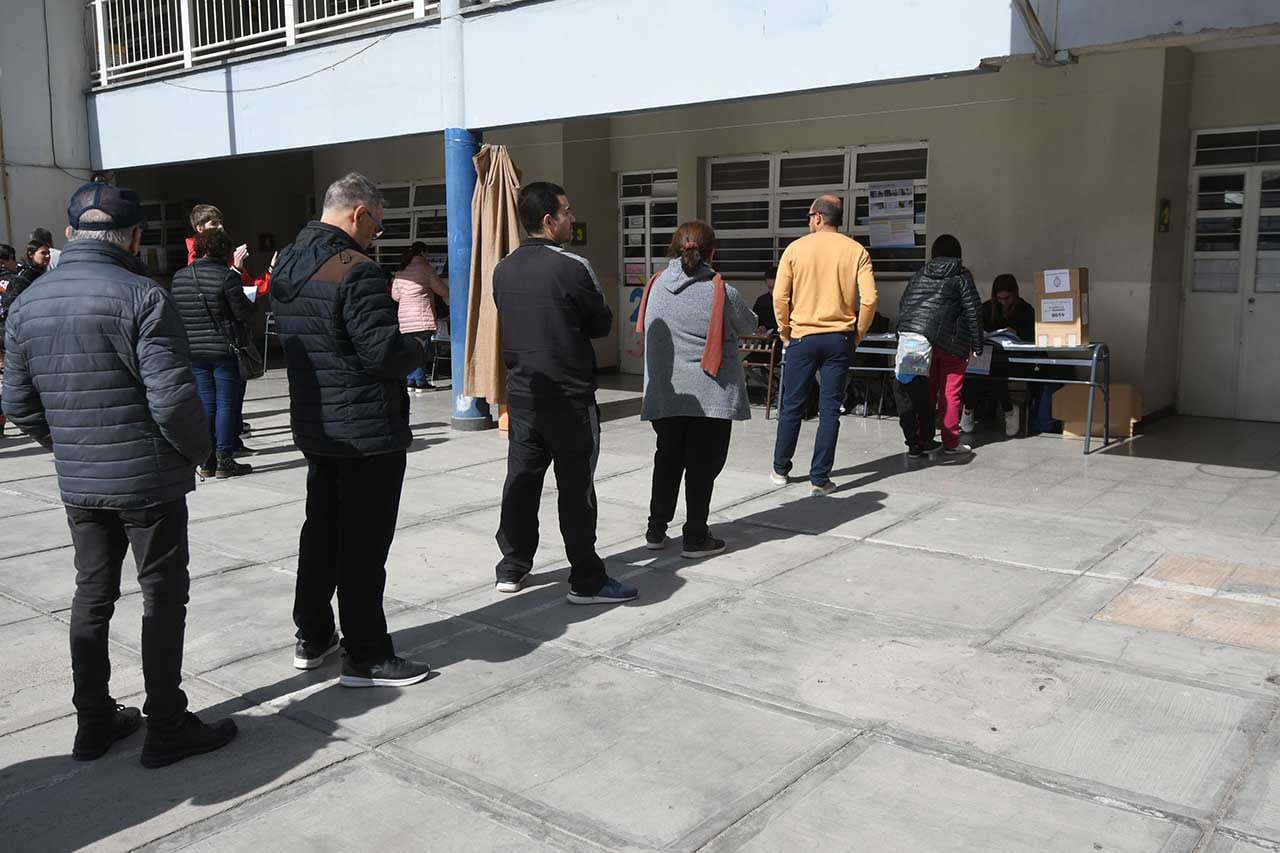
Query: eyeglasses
column 377, row 225
column 814, row 213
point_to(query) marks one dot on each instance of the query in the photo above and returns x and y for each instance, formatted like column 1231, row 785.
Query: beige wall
column 1032, row 168
column 1235, row 88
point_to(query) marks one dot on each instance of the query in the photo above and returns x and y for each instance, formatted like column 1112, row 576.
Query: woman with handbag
column 214, row 308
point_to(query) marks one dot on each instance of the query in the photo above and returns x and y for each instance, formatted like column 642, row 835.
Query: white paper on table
column 981, row 364
column 1057, row 311
column 250, row 292
column 1057, row 281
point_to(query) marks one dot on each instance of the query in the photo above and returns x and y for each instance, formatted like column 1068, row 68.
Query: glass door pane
column 1267, row 274
column 1219, row 220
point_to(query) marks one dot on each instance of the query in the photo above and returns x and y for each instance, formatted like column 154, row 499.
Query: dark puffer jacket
column 942, row 303
column 97, row 367
column 346, row 357
column 221, row 289
column 14, row 283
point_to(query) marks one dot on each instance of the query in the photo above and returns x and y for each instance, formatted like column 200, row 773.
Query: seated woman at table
column 1004, row 310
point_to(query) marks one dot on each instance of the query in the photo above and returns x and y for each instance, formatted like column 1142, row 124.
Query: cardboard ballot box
column 1062, row 307
column 1070, row 405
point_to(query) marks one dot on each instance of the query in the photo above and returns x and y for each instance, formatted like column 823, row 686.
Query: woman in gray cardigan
column 694, row 387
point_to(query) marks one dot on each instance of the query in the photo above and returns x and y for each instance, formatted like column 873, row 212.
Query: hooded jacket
column 220, row 288
column 942, row 303
column 411, row 288
column 675, row 333
column 97, row 367
column 550, row 306
column 346, row 358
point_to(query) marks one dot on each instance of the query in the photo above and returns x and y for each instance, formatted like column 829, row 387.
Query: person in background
column 44, row 236
column 98, row 370
column 941, row 303
column 824, row 300
column 694, row 384
column 414, row 288
column 1004, row 310
column 766, row 322
column 206, row 216
column 8, row 268
column 212, row 304
column 550, row 306
column 349, row 412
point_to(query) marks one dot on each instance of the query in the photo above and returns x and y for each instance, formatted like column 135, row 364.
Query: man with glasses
column 349, row 409
column 824, row 301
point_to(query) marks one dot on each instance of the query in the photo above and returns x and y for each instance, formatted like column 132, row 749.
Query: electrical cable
column 309, row 74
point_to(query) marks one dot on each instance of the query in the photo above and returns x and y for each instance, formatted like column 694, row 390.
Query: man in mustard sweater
column 825, row 300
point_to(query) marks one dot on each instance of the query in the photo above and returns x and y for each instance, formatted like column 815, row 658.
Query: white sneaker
column 966, row 420
column 958, row 450
column 778, row 479
column 1013, row 422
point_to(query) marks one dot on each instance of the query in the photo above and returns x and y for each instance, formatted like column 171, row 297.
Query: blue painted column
column 469, row 413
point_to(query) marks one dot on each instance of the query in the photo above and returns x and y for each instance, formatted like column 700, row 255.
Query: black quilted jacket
column 942, row 303
column 223, row 292
column 97, row 367
column 346, row 357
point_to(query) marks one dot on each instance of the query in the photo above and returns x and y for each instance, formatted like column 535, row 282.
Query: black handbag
column 241, row 346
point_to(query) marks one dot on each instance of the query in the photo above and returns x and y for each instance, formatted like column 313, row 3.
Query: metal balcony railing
column 137, row 38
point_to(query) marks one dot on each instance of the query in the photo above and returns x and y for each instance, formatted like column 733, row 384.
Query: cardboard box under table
column 1062, row 307
column 1071, row 406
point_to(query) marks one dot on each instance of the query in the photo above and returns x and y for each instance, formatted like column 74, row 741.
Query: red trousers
column 946, row 381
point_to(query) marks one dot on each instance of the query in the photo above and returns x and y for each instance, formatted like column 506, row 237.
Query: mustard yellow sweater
column 825, row 284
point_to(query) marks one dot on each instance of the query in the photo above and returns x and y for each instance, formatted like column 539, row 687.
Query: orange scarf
column 713, row 350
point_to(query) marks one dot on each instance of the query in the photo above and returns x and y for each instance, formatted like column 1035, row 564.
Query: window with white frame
column 759, row 204
column 164, row 236
column 413, row 211
column 647, row 221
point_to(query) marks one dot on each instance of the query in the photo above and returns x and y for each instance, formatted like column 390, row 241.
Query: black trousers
column 158, row 536
column 695, row 449
column 352, row 504
column 915, row 412
column 567, row 436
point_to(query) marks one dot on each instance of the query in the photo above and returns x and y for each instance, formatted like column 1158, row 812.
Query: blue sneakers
column 613, row 592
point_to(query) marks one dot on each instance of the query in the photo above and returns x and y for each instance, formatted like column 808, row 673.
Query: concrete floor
column 1024, row 650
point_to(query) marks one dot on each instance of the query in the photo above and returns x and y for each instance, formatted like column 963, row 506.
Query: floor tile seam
column 196, row 522
column 229, row 808
column 499, row 799
column 35, row 611
column 45, row 502
column 462, row 797
column 894, row 620
column 1228, row 830
column 1042, row 778
column 835, row 762
column 842, row 546
column 1261, row 695
column 1207, row 591
column 875, row 540
column 1228, row 797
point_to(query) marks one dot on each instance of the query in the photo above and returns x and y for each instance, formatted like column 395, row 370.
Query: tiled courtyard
column 1024, row 650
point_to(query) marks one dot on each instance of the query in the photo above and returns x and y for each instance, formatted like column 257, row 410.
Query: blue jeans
column 827, row 357
column 221, row 390
column 418, row 378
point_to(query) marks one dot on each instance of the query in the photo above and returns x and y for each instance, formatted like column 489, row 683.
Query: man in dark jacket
column 349, row 409
column 97, row 368
column 550, row 306
column 941, row 303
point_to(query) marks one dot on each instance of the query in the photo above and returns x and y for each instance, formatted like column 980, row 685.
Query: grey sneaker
column 313, row 655
column 613, row 592
column 709, row 547
column 958, row 450
column 823, row 490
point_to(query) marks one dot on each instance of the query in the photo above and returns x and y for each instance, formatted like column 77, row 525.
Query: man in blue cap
column 97, row 369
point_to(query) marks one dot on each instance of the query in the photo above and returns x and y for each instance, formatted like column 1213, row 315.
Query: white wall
column 38, row 191
column 1077, row 24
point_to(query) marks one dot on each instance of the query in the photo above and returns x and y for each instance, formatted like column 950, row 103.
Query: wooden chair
column 762, row 345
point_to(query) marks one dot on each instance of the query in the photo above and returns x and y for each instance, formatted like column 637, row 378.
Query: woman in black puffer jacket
column 213, row 306
column 942, row 303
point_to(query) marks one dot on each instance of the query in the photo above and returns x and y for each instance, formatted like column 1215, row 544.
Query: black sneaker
column 392, row 672
column 241, row 449
column 246, row 428
column 94, row 737
column 708, row 547
column 189, row 737
column 313, row 655
column 209, row 467
column 655, row 541
column 229, row 467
